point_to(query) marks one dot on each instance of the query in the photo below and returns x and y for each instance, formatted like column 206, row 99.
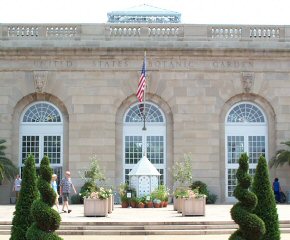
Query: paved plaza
column 213, row 213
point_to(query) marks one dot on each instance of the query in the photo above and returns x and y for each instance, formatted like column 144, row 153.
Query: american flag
column 142, row 83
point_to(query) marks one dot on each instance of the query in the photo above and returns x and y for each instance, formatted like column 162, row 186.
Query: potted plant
column 193, row 203
column 148, row 202
column 157, row 203
column 123, row 188
column 162, row 193
column 140, row 202
column 179, row 194
column 182, row 174
column 96, row 203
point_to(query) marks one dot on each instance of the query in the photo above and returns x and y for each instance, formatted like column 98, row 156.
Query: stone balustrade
column 22, row 31
column 124, row 31
column 265, row 32
column 226, row 32
column 185, row 32
column 42, row 31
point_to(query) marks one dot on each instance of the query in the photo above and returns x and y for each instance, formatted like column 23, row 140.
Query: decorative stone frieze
column 40, row 80
column 247, row 80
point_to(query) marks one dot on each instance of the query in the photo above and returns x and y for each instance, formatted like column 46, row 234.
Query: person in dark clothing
column 277, row 190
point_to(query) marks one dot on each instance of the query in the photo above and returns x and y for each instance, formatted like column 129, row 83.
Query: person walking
column 277, row 190
column 65, row 188
column 54, row 187
column 17, row 186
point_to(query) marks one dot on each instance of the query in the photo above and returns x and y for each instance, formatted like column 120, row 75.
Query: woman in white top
column 54, row 187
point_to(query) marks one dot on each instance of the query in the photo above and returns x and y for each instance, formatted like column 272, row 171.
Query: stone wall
column 195, row 76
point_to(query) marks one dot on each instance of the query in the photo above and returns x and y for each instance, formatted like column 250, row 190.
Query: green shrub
column 262, row 187
column 251, row 227
column 76, row 199
column 47, row 220
column 23, row 219
column 202, row 189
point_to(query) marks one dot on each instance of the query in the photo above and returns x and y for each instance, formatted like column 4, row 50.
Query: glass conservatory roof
column 144, row 14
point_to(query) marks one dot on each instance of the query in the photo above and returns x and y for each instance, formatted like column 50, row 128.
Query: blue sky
column 193, row 11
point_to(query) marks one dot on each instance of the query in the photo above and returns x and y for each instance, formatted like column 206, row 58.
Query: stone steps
column 146, row 228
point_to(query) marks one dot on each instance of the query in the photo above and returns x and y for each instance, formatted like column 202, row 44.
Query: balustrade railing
column 130, row 31
column 167, row 31
column 141, row 31
column 42, row 31
column 264, row 32
column 61, row 31
column 226, row 32
column 23, row 31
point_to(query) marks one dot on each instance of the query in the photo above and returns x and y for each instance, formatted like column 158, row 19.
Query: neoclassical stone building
column 213, row 90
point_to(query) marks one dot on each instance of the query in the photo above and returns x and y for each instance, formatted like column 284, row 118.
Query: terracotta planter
column 141, row 205
column 125, row 204
column 193, row 206
column 165, row 203
column 95, row 207
column 157, row 205
column 133, row 204
column 149, row 205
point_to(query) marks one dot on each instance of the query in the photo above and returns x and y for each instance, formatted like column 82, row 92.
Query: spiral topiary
column 251, row 227
column 47, row 220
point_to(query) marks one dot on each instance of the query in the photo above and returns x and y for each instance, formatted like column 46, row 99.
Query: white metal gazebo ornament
column 144, row 177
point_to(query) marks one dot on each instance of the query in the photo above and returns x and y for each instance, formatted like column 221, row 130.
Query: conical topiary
column 47, row 220
column 251, row 227
column 22, row 219
column 266, row 207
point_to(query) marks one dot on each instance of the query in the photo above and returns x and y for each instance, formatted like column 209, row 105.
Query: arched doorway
column 245, row 131
column 135, row 140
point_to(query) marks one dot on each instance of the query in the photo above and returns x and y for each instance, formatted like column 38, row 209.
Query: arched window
column 153, row 138
column 245, row 131
column 41, row 133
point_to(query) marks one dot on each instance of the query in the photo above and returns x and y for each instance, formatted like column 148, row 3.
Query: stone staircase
column 145, row 228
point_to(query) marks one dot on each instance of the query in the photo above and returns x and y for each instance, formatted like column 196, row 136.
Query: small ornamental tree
column 266, row 207
column 182, row 171
column 22, row 219
column 251, row 227
column 47, row 220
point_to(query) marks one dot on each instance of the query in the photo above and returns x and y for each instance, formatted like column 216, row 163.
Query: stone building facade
column 213, row 91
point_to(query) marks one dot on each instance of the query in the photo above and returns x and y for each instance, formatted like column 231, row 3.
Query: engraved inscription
column 232, row 64
column 47, row 64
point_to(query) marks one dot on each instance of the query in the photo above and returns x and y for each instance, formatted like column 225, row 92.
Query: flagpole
column 144, row 110
column 144, row 113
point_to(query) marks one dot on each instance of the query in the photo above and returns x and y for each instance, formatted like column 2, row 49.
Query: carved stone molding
column 247, row 81
column 40, row 80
